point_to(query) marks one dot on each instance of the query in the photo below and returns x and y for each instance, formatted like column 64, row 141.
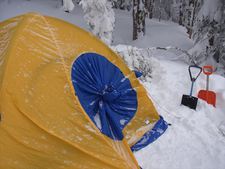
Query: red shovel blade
column 208, row 96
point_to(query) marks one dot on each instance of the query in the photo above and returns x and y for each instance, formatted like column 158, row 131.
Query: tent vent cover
column 105, row 93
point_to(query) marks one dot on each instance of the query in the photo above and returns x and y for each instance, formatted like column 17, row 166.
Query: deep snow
column 196, row 139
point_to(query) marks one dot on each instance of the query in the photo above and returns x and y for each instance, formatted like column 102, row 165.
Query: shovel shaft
column 207, row 82
column 192, row 85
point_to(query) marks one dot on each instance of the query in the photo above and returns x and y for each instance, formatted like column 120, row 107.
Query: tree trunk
column 149, row 5
column 180, row 16
column 139, row 15
column 135, row 18
column 190, row 16
column 151, row 9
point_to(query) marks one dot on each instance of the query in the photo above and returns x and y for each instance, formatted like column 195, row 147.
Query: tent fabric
column 105, row 93
column 44, row 125
column 150, row 136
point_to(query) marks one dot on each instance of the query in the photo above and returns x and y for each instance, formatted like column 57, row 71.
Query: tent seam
column 11, row 46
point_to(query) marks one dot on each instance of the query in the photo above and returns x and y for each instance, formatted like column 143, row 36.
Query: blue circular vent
column 105, row 93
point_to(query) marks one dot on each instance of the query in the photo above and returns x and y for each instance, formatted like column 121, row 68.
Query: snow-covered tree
column 186, row 14
column 161, row 9
column 122, row 4
column 221, row 37
column 67, row 5
column 149, row 6
column 175, row 10
column 100, row 17
column 217, row 49
column 209, row 33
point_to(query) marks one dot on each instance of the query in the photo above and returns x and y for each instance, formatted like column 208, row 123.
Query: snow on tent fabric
column 149, row 137
column 45, row 123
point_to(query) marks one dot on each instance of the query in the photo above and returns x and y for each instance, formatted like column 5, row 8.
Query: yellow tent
column 43, row 124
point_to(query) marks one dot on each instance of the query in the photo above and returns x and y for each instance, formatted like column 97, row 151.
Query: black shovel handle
column 197, row 67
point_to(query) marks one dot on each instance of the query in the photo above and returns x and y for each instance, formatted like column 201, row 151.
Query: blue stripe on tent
column 150, row 136
column 105, row 93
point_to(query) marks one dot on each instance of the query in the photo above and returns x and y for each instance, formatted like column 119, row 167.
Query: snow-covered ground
column 160, row 34
column 196, row 139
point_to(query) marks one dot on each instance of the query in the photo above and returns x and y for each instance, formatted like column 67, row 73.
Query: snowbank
column 196, row 139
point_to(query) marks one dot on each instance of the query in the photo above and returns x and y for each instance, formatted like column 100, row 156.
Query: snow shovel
column 207, row 95
column 189, row 100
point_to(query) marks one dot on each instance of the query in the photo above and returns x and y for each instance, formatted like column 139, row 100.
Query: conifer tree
column 100, row 17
